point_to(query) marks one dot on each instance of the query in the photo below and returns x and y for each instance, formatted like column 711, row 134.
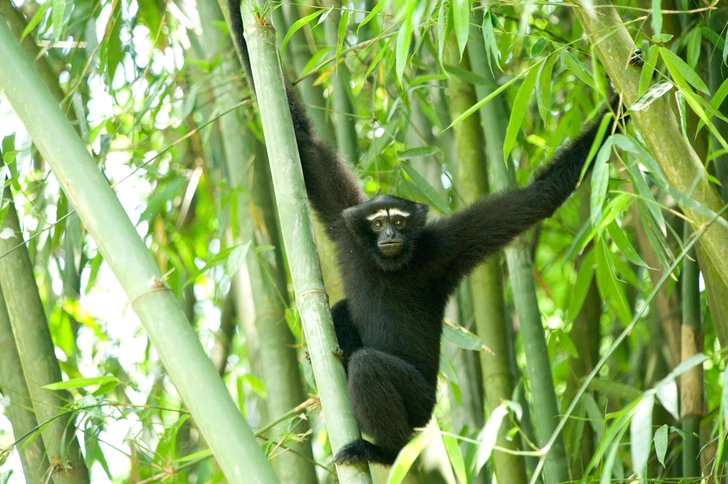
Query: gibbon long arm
column 330, row 185
column 465, row 238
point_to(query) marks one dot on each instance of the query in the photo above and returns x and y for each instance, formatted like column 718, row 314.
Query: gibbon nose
column 389, row 234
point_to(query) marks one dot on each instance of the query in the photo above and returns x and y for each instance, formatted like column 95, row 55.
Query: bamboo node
column 157, row 286
column 311, row 291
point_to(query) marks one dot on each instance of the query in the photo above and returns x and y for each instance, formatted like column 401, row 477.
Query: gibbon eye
column 399, row 223
column 378, row 224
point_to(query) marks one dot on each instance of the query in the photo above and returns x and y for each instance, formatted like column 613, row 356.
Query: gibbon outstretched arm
column 465, row 238
column 330, row 185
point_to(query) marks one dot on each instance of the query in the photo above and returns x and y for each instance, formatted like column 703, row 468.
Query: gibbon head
column 388, row 227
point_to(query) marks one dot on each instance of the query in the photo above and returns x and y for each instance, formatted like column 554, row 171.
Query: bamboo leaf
column 581, row 287
column 371, row 15
column 33, row 23
column 648, row 68
column 607, row 283
column 661, row 444
column 624, row 245
column 57, row 13
column 544, row 86
column 424, row 186
column 380, row 54
column 681, row 71
column 488, row 436
column 441, row 29
column 600, row 182
column 404, row 39
column 483, row 101
column 652, row 94
column 408, row 455
column 82, row 382
column 418, row 152
column 461, row 21
column 640, row 430
column 666, row 392
column 491, row 46
column 518, row 112
column 236, row 258
column 657, row 17
column 298, row 24
column 455, row 456
column 462, row 338
column 578, row 69
column 341, row 35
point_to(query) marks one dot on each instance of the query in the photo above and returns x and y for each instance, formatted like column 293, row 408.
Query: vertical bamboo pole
column 203, row 392
column 297, row 231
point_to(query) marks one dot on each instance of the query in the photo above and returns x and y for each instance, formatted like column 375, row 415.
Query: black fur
column 389, row 326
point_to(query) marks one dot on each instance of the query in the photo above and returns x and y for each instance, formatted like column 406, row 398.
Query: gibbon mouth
column 390, row 248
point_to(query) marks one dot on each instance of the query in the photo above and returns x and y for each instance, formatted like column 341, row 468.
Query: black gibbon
column 399, row 271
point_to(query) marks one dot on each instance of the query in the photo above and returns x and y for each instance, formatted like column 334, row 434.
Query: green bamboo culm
column 203, row 392
column 487, row 280
column 249, row 174
column 691, row 382
column 36, row 351
column 14, row 388
column 545, row 406
column 298, row 239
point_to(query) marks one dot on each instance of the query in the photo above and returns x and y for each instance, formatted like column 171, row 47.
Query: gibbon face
column 388, row 227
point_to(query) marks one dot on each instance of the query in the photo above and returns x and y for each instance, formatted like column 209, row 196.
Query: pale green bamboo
column 299, row 53
column 486, row 280
column 36, row 351
column 297, row 229
column 691, row 382
column 192, row 372
column 545, row 406
column 20, row 410
column 249, row 175
column 659, row 128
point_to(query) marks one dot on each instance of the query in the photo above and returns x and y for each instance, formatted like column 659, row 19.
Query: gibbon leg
column 388, row 395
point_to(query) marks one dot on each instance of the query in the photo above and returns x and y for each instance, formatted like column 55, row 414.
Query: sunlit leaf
column 424, row 186
column 640, row 430
column 661, row 442
column 518, row 111
column 461, row 21
column 300, row 23
column 408, row 455
column 377, row 7
column 489, row 435
column 680, row 70
column 82, row 383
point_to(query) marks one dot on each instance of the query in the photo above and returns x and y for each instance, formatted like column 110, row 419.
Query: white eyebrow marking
column 396, row 211
column 378, row 214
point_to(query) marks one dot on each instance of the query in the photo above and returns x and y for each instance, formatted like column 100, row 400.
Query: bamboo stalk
column 15, row 389
column 296, row 226
column 691, row 382
column 250, row 175
column 196, row 379
column 36, row 351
